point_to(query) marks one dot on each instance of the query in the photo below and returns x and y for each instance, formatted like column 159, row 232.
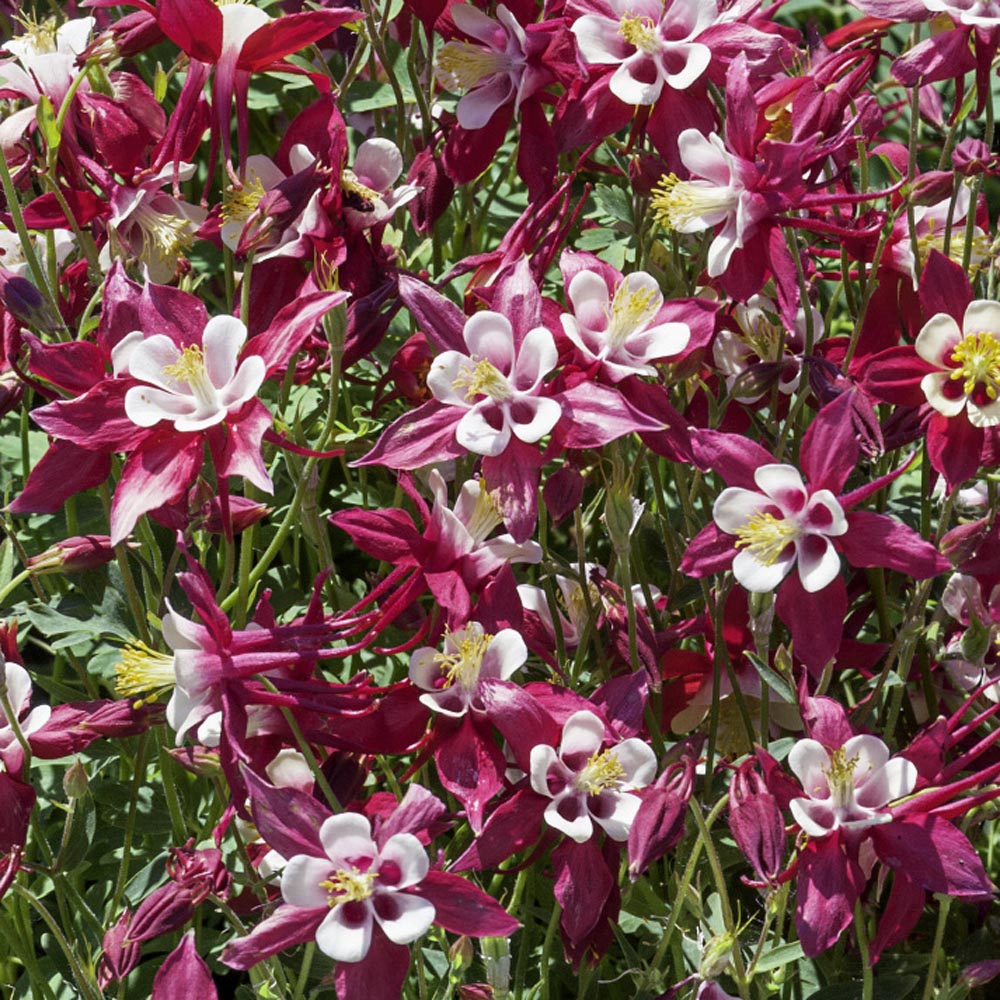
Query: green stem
column 945, row 906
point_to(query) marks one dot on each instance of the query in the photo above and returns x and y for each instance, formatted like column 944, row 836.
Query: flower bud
column 75, row 782
column 931, row 187
column 716, row 956
column 73, row 555
column 756, row 823
column 972, row 156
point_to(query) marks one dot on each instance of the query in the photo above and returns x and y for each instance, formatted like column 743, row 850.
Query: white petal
column 301, row 881
column 146, row 406
column 809, row 762
column 637, row 81
column 696, row 56
column 819, row 562
column 599, row 40
column 896, row 779
column 619, row 822
column 542, row 415
column 815, row 818
column 937, row 339
column 637, row 760
column 706, row 156
column 474, row 23
column 581, row 827
column 378, row 164
column 757, row 577
column 543, row 757
column 478, row 106
column 347, row 837
column 948, row 406
column 981, row 316
column 221, row 341
column 782, row 483
column 489, row 336
column 148, row 359
column 444, row 371
column 735, row 506
column 405, row 851
column 986, row 415
column 583, row 735
column 825, row 515
column 344, row 939
column 479, row 435
column 537, row 356
column 248, row 379
column 411, row 916
column 504, row 656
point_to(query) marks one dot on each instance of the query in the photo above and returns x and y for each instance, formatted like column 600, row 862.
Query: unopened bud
column 621, row 515
column 73, row 555
column 931, row 187
column 976, row 641
column 716, row 956
column 461, row 953
column 75, row 781
column 200, row 761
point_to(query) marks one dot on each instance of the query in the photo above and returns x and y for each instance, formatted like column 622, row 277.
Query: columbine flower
column 588, row 784
column 453, row 677
column 360, row 885
column 716, row 194
column 195, row 387
column 498, row 384
column 782, row 525
column 967, row 360
column 492, row 74
column 368, row 194
column 619, row 330
column 652, row 44
column 849, row 787
column 18, row 685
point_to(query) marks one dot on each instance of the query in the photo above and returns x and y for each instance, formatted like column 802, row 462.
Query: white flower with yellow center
column 498, row 384
column 968, row 363
column 620, row 330
column 194, row 387
column 779, row 527
column 589, row 783
column 471, row 655
column 847, row 788
column 360, row 884
column 654, row 44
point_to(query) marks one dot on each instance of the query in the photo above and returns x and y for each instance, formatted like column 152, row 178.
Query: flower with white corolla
column 492, row 73
column 780, row 527
column 17, row 684
column 654, row 45
column 193, row 387
column 453, row 677
column 369, row 197
column 715, row 194
column 361, row 885
column 971, row 657
column 498, row 383
column 150, row 225
column 589, row 783
column 847, row 788
column 764, row 347
column 619, row 331
column 967, row 359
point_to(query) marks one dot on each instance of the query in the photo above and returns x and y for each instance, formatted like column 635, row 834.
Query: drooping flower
column 589, row 783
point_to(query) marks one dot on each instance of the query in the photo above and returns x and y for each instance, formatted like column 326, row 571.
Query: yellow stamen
column 677, row 204
column 352, row 186
column 767, row 537
column 639, row 31
column 164, row 237
column 239, row 204
column 840, row 777
column 461, row 65
column 189, row 367
column 631, row 309
column 978, row 354
column 349, row 886
column 486, row 514
column 933, row 239
column 603, row 770
column 142, row 670
column 462, row 667
column 482, row 380
column 41, row 35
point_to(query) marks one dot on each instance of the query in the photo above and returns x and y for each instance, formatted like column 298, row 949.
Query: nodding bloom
column 589, row 783
column 780, row 527
column 848, row 788
column 493, row 73
column 498, row 384
column 453, row 677
column 359, row 884
column 967, row 363
column 716, row 194
column 619, row 330
column 654, row 45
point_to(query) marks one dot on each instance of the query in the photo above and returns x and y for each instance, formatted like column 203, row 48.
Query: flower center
column 349, row 886
column 933, row 239
column 481, row 378
column 767, row 536
column 164, row 237
column 631, row 309
column 40, row 35
column 677, row 204
column 603, row 770
column 462, row 667
column 640, row 32
column 461, row 65
column 840, row 778
column 978, row 358
column 239, row 204
column 142, row 670
column 190, row 369
column 485, row 514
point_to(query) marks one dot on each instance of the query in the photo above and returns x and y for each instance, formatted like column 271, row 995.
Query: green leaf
column 777, row 957
column 886, row 988
column 614, row 203
column 782, row 688
column 47, row 123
